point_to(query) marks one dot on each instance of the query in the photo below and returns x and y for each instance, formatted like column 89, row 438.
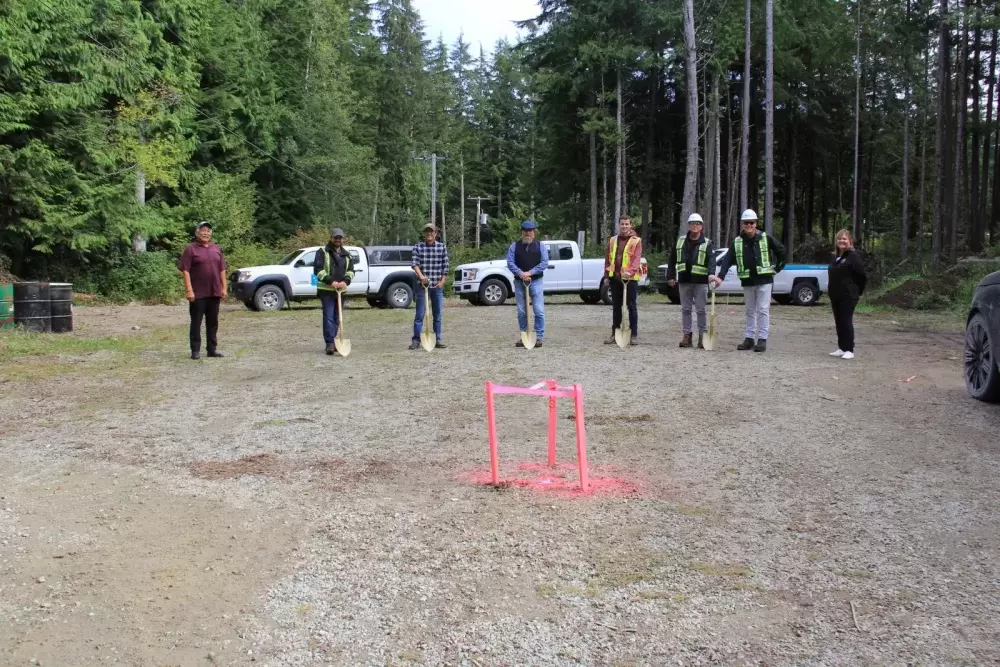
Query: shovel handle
column 340, row 317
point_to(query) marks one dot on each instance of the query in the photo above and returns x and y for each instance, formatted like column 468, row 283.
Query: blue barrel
column 32, row 310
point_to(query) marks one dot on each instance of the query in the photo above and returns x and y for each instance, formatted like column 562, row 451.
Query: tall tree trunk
column 904, row 234
column 717, row 187
column 595, row 232
column 769, row 106
column 825, row 216
column 707, row 203
column 958, row 186
column 790, row 198
column 972, row 206
column 745, row 142
column 618, row 153
column 604, row 188
column 856, row 210
column 139, row 239
column 987, row 137
column 691, row 172
column 939, row 140
column 810, row 204
column 732, row 172
column 925, row 102
column 461, row 228
column 647, row 179
column 373, row 235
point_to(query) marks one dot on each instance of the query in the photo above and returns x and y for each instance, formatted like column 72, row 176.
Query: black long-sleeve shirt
column 690, row 256
column 847, row 276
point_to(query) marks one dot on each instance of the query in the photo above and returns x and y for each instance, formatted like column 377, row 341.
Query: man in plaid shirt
column 430, row 263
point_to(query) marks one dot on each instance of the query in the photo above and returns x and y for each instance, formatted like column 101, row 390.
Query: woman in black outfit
column 847, row 284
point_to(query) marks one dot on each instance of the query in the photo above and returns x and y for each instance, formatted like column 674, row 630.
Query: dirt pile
column 921, row 293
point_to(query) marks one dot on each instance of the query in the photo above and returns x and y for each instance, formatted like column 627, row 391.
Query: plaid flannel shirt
column 432, row 260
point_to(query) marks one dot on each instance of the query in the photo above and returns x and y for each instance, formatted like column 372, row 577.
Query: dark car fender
column 245, row 291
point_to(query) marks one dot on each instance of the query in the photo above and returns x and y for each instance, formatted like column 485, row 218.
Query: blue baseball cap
column 528, row 226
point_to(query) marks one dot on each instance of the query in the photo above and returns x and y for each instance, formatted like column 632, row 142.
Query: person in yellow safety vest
column 623, row 267
column 333, row 271
column 691, row 264
column 758, row 257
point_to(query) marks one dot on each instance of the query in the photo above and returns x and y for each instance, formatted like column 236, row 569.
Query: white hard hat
column 695, row 218
column 748, row 215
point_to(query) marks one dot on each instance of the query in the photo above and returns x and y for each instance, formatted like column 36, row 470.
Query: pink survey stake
column 553, row 391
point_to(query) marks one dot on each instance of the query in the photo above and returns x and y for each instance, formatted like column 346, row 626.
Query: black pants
column 209, row 309
column 843, row 317
column 631, row 300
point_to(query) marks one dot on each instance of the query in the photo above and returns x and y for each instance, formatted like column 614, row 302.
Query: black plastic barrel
column 31, row 307
column 61, row 306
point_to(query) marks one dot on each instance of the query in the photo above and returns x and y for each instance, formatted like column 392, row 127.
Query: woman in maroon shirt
column 204, row 270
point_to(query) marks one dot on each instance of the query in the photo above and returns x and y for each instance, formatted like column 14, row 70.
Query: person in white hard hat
column 758, row 257
column 689, row 269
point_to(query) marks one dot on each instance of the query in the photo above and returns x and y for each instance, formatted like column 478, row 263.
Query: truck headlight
column 469, row 274
column 243, row 276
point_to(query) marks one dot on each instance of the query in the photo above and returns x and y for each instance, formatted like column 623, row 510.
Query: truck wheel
column 493, row 292
column 605, row 293
column 269, row 297
column 399, row 295
column 805, row 293
column 590, row 298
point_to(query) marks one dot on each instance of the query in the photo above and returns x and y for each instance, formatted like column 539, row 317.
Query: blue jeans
column 437, row 303
column 331, row 320
column 537, row 305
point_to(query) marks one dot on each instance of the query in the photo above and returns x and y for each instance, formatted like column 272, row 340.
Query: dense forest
column 122, row 122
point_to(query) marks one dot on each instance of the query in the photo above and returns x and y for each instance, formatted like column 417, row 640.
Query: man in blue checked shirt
column 430, row 263
column 527, row 259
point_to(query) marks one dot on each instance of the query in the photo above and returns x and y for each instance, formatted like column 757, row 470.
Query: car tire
column 269, row 297
column 606, row 292
column 805, row 293
column 493, row 292
column 399, row 295
column 982, row 375
column 590, row 298
column 250, row 305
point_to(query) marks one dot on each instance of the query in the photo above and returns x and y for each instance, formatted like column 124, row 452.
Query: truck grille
column 458, row 276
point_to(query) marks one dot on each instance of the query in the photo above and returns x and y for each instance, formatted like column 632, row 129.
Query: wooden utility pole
column 769, row 127
column 479, row 214
column 434, row 158
column 745, row 142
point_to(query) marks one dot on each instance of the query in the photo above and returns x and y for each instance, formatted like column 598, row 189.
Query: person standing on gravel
column 334, row 272
column 204, row 270
column 758, row 257
column 623, row 267
column 847, row 284
column 527, row 259
column 690, row 265
column 430, row 263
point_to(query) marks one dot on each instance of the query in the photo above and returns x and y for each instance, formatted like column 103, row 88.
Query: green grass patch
column 17, row 344
column 712, row 570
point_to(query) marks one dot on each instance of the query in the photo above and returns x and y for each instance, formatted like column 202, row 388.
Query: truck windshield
column 290, row 258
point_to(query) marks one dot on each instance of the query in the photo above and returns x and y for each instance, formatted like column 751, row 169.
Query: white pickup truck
column 382, row 274
column 491, row 283
column 801, row 284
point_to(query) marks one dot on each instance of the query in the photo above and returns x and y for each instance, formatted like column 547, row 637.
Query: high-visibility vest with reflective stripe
column 700, row 267
column 320, row 285
column 631, row 243
column 766, row 268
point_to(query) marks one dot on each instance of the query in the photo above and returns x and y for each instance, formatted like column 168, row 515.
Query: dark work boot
column 761, row 345
column 610, row 341
column 196, row 355
column 686, row 341
column 747, row 344
column 701, row 345
column 330, row 349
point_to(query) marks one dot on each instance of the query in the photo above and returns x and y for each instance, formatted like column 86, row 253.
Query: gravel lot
column 281, row 507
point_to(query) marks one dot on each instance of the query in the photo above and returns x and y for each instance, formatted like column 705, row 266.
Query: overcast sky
column 483, row 21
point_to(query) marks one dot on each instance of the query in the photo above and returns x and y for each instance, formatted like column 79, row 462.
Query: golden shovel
column 427, row 337
column 342, row 344
column 623, row 334
column 712, row 335
column 529, row 337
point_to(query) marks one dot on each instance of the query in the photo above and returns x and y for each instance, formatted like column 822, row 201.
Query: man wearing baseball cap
column 527, row 259
column 430, row 263
column 691, row 264
column 204, row 270
column 334, row 272
column 758, row 257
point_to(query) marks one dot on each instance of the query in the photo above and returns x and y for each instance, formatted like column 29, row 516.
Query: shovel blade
column 623, row 337
column 427, row 341
column 343, row 345
column 528, row 339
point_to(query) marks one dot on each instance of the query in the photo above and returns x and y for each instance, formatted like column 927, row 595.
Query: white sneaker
column 838, row 353
column 848, row 355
